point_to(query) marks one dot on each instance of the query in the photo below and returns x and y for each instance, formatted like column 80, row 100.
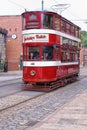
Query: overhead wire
column 17, row 4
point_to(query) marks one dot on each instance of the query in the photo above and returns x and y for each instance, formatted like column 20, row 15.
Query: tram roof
column 51, row 12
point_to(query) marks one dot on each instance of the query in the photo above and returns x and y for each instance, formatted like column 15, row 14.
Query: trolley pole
column 42, row 5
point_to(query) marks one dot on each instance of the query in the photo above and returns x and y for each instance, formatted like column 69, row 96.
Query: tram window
column 76, row 57
column 57, row 23
column 48, row 21
column 73, row 30
column 63, row 26
column 57, row 52
column 73, row 56
column 77, row 33
column 68, row 55
column 68, row 28
column 32, row 17
column 47, row 53
column 63, row 56
column 34, row 53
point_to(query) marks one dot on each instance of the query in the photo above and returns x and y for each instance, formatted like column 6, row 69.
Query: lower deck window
column 33, row 53
column 47, row 53
column 69, row 56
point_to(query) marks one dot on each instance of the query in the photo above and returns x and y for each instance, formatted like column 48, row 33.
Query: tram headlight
column 32, row 72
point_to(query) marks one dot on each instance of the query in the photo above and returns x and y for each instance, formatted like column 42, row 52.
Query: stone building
column 3, row 35
column 13, row 24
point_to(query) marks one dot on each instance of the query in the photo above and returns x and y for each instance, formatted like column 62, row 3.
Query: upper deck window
column 68, row 28
column 48, row 21
column 57, row 23
column 33, row 21
column 77, row 32
column 32, row 17
column 73, row 30
column 63, row 25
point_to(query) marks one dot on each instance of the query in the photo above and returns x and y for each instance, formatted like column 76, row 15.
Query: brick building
column 13, row 24
column 83, row 57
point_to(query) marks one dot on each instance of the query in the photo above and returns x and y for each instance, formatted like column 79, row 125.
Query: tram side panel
column 48, row 74
column 67, row 70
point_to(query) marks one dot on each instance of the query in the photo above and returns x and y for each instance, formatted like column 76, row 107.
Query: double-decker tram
column 51, row 46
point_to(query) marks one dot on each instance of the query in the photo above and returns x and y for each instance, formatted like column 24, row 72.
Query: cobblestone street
column 62, row 109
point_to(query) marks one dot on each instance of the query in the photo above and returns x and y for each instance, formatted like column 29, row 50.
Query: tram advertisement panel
column 36, row 38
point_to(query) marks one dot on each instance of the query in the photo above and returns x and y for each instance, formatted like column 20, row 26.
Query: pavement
column 10, row 75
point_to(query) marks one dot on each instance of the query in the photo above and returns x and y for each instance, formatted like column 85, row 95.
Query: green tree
column 84, row 38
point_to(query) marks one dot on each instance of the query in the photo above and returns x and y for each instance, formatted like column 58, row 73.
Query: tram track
column 15, row 96
column 20, row 97
column 15, row 104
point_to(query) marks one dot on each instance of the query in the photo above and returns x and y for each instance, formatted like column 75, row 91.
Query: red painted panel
column 44, row 74
column 41, row 74
column 54, row 38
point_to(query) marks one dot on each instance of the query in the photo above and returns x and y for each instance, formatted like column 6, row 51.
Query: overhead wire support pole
column 42, row 11
column 42, row 5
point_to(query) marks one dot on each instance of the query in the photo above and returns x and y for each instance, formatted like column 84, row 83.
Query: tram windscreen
column 34, row 53
column 47, row 53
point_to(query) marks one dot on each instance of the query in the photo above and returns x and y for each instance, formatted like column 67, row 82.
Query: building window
column 15, row 29
column 9, row 29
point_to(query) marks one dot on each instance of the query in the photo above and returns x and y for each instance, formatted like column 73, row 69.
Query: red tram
column 51, row 47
